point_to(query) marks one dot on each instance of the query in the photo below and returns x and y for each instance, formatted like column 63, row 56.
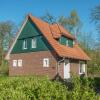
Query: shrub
column 35, row 88
column 4, row 68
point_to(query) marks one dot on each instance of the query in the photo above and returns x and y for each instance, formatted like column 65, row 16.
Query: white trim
column 19, row 32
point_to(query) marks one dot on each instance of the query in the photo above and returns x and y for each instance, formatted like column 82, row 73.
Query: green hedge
column 41, row 88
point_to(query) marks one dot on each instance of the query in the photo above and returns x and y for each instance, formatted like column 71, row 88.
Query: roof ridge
column 31, row 16
column 61, row 50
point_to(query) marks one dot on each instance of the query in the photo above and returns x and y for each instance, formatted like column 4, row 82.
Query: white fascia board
column 7, row 57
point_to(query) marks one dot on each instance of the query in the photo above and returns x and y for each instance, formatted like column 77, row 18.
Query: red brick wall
column 33, row 64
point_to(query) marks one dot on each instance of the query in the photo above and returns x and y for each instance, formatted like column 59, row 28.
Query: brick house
column 45, row 49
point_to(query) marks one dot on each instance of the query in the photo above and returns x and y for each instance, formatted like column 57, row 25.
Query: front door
column 66, row 69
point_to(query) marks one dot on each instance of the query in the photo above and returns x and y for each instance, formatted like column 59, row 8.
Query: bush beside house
column 41, row 88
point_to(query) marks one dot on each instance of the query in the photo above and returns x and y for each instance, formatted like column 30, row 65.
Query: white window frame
column 14, row 63
column 83, row 67
column 34, row 42
column 46, row 62
column 20, row 63
column 25, row 44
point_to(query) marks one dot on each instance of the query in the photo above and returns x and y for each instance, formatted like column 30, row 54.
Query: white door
column 66, row 69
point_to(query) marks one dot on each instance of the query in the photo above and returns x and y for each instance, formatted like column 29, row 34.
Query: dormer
column 66, row 41
column 61, row 35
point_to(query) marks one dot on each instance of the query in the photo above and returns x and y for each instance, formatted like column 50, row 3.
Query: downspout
column 58, row 63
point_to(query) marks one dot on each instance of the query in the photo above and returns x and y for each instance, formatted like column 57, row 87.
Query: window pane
column 14, row 63
column 66, row 42
column 25, row 44
column 34, row 43
column 70, row 43
column 46, row 62
column 20, row 63
column 82, row 67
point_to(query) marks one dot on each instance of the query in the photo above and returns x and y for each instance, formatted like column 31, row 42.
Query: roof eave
column 77, row 58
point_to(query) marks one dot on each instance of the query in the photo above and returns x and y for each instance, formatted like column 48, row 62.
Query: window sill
column 24, row 48
column 33, row 47
column 81, row 73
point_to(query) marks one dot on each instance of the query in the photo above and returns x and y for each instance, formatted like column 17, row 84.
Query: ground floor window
column 81, row 67
column 46, row 62
column 17, row 63
column 14, row 63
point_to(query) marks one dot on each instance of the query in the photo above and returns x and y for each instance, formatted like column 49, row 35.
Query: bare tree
column 95, row 18
column 7, row 30
column 71, row 23
column 49, row 18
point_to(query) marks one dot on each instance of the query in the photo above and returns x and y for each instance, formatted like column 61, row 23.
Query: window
column 45, row 62
column 20, row 63
column 82, row 68
column 66, row 42
column 34, row 43
column 25, row 44
column 14, row 63
column 70, row 43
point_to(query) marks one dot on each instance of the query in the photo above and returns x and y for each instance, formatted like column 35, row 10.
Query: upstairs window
column 70, row 43
column 25, row 44
column 33, row 42
column 66, row 42
column 45, row 62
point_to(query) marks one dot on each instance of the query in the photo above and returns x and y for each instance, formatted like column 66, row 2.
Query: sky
column 15, row 10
